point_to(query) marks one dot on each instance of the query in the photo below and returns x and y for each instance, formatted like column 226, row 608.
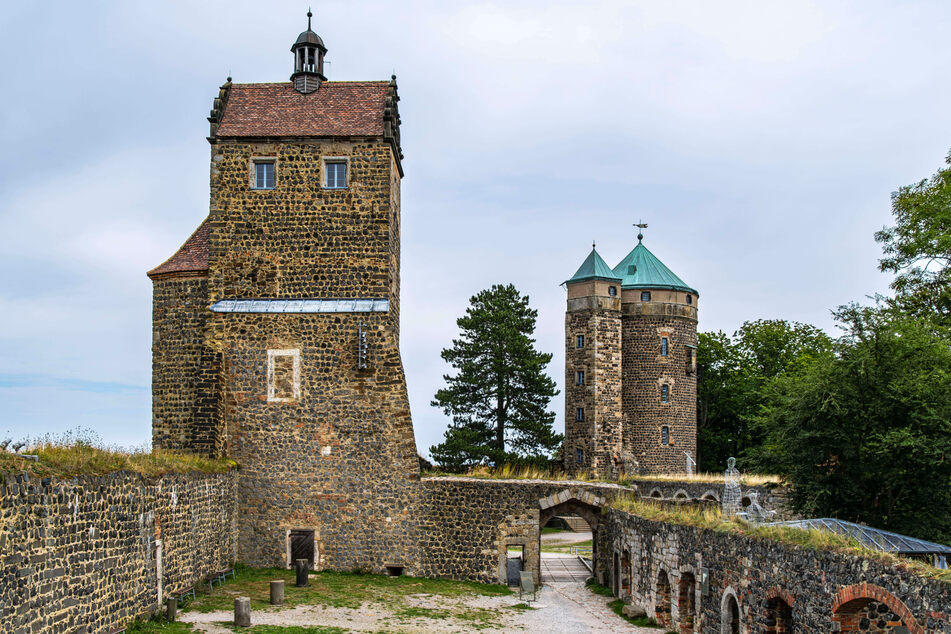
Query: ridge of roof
column 337, row 82
column 642, row 269
column 594, row 268
column 191, row 257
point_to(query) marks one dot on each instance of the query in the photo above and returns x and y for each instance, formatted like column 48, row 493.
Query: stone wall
column 92, row 553
column 466, row 524
column 184, row 369
column 735, row 583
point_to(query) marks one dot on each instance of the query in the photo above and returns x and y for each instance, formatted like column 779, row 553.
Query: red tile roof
column 337, row 108
column 191, row 257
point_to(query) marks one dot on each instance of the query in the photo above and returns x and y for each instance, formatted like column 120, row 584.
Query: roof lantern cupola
column 309, row 51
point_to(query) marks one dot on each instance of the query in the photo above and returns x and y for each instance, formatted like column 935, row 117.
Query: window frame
column 579, row 377
column 612, row 291
column 645, row 296
column 325, row 172
column 665, row 434
column 579, row 414
column 253, row 175
column 689, row 299
column 272, row 354
column 664, row 346
column 579, row 455
column 665, row 393
column 579, row 342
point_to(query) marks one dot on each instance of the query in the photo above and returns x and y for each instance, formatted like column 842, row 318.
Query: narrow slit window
column 663, row 346
column 579, row 456
column 579, row 341
column 664, row 393
column 689, row 299
column 263, row 174
column 336, row 174
column 283, row 375
column 579, row 377
column 665, row 435
column 579, row 414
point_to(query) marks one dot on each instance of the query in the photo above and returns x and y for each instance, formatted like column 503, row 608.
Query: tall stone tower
column 631, row 384
column 276, row 325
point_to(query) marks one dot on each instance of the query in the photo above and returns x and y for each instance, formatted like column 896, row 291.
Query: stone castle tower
column 630, row 367
column 276, row 324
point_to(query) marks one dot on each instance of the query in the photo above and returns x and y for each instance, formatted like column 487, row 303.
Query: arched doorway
column 869, row 607
column 662, row 599
column 779, row 612
column 687, row 601
column 729, row 613
column 572, row 561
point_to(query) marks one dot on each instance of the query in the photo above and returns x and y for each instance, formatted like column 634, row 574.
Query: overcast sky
column 759, row 140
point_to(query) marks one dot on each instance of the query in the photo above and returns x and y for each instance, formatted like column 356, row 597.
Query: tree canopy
column 498, row 399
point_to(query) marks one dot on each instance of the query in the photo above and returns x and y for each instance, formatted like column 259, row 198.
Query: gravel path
column 560, row 608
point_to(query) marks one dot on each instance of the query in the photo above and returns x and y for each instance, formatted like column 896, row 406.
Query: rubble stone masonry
column 92, row 553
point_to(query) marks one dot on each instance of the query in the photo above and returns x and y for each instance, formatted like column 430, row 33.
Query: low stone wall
column 466, row 524
column 92, row 553
column 699, row 580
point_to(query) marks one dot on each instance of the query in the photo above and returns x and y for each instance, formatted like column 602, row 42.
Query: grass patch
column 565, row 548
column 709, row 517
column 521, row 606
column 597, row 588
column 528, row 472
column 158, row 624
column 334, row 589
column 617, row 605
column 81, row 452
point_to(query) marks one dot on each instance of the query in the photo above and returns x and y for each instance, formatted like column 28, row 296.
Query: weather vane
column 640, row 226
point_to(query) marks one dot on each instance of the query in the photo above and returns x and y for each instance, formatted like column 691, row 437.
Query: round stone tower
column 659, row 365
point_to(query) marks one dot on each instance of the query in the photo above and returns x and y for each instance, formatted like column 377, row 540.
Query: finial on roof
column 640, row 225
column 309, row 16
column 593, row 244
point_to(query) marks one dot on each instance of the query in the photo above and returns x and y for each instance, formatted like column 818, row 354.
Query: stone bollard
column 277, row 592
column 302, row 571
column 242, row 611
column 171, row 608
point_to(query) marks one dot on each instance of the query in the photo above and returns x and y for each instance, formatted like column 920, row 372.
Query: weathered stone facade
column 92, row 553
column 698, row 580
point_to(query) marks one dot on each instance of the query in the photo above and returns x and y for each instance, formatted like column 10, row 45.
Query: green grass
column 158, row 624
column 597, row 588
column 565, row 548
column 334, row 589
column 81, row 452
column 617, row 605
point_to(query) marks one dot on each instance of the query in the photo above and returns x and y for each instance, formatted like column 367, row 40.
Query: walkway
column 562, row 568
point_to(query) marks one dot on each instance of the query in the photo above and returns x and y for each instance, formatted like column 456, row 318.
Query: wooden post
column 171, row 608
column 303, row 569
column 242, row 611
column 277, row 592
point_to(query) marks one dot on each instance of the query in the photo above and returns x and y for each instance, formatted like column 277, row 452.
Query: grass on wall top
column 710, row 518
column 80, row 452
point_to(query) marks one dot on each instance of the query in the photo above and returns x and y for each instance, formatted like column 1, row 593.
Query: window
column 691, row 360
column 579, row 456
column 664, row 393
column 335, row 171
column 612, row 291
column 283, row 375
column 262, row 176
column 645, row 296
column 663, row 346
column 579, row 341
column 579, row 414
column 689, row 299
column 579, row 377
column 665, row 435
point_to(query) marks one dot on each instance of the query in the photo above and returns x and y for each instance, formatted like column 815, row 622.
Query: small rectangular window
column 579, row 414
column 263, row 174
column 664, row 393
column 689, row 299
column 645, row 296
column 665, row 435
column 663, row 346
column 336, row 174
column 579, row 341
column 691, row 360
column 612, row 291
column 579, row 377
column 579, row 456
column 283, row 375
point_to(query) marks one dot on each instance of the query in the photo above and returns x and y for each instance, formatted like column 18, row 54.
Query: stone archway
column 854, row 604
column 587, row 506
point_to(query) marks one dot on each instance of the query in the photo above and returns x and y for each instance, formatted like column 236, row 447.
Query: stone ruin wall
column 80, row 555
column 826, row 591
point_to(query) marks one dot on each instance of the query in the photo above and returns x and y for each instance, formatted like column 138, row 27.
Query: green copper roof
column 642, row 269
column 594, row 268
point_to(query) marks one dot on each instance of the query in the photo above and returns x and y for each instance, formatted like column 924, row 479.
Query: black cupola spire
column 309, row 51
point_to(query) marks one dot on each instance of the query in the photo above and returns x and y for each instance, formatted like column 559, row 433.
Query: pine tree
column 499, row 396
